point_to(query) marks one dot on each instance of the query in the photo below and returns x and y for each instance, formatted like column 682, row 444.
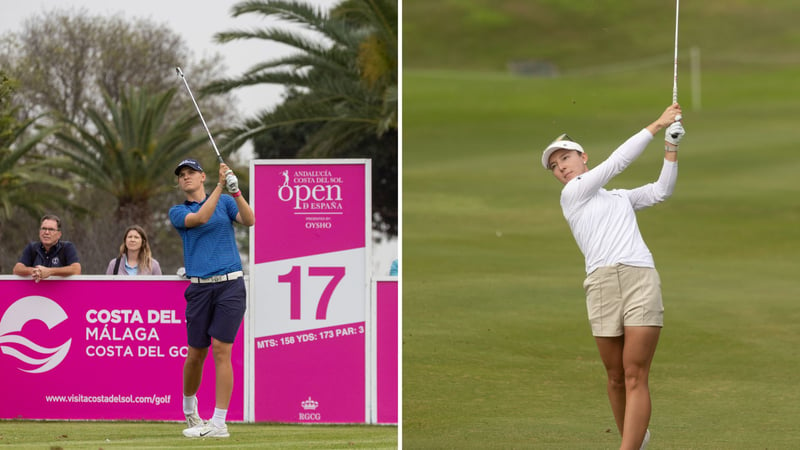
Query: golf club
column 213, row 144
column 675, row 72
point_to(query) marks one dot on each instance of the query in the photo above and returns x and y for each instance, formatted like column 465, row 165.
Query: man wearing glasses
column 50, row 256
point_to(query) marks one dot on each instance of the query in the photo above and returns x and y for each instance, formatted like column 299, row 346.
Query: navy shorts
column 214, row 310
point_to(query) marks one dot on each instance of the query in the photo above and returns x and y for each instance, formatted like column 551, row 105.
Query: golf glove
column 675, row 133
column 232, row 183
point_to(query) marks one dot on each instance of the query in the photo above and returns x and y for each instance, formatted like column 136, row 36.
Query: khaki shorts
column 623, row 296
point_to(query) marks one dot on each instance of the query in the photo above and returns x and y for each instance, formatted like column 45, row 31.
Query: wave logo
column 13, row 343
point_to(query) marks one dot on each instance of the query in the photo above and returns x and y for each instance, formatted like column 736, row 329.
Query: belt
column 218, row 278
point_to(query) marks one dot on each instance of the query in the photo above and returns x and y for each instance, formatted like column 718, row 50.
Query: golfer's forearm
column 665, row 185
column 205, row 212
column 654, row 128
column 626, row 153
column 246, row 215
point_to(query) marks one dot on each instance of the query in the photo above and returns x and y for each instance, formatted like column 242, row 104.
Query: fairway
column 496, row 343
column 159, row 435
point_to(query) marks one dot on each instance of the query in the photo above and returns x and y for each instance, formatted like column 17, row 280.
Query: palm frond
column 342, row 75
column 128, row 149
column 293, row 12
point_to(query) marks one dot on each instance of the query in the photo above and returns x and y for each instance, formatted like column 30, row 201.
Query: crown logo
column 309, row 404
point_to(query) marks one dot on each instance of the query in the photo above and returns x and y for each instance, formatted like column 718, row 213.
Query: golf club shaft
column 211, row 138
column 675, row 73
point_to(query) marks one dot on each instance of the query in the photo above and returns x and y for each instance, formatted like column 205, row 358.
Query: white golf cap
column 560, row 142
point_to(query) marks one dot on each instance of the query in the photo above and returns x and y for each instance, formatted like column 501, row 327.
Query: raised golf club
column 675, row 70
column 211, row 138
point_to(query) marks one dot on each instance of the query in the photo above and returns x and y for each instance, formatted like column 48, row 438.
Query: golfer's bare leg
column 638, row 352
column 611, row 353
column 193, row 370
column 224, row 372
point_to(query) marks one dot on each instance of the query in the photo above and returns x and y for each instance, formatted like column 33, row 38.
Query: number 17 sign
column 309, row 298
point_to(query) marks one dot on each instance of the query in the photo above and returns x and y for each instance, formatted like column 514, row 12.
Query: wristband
column 236, row 194
column 670, row 149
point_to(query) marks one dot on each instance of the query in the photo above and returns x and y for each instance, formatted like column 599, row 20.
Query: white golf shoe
column 646, row 440
column 194, row 419
column 207, row 430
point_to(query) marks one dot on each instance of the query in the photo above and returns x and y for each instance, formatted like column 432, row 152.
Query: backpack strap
column 116, row 265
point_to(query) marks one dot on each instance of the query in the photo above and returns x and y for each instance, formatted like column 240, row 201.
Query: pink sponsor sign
column 308, row 209
column 99, row 348
column 387, row 373
column 310, row 290
column 321, row 376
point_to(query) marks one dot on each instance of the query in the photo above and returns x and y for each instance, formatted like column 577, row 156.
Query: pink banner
column 321, row 209
column 321, row 379
column 387, row 357
column 310, row 290
column 100, row 349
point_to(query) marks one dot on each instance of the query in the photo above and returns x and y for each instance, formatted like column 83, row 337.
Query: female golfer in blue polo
column 216, row 296
column 623, row 290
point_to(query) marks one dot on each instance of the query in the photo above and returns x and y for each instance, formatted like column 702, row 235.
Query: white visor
column 562, row 141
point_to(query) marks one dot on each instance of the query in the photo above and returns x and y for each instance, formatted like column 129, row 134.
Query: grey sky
column 196, row 21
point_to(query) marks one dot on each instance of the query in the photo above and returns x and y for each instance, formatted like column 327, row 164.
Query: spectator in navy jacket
column 50, row 255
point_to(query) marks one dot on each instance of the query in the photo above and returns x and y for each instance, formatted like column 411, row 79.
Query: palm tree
column 341, row 89
column 26, row 183
column 21, row 171
column 348, row 71
column 23, row 174
column 129, row 151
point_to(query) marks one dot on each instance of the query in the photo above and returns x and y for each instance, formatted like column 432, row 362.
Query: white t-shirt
column 604, row 222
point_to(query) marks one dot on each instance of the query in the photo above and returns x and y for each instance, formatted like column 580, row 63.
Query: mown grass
column 496, row 344
column 160, row 435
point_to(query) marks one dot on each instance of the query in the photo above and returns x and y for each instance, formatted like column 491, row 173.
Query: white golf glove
column 674, row 133
column 232, row 183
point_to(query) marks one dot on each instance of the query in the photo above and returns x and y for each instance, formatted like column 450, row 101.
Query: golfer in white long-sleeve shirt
column 623, row 290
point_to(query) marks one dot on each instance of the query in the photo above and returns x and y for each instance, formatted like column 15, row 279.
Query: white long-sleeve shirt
column 604, row 222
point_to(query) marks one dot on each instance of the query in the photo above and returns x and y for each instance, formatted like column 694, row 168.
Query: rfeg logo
column 312, row 190
column 14, row 344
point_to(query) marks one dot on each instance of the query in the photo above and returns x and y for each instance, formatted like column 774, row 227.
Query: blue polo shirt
column 209, row 249
column 62, row 254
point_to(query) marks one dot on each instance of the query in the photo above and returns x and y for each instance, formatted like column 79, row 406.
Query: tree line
column 93, row 120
